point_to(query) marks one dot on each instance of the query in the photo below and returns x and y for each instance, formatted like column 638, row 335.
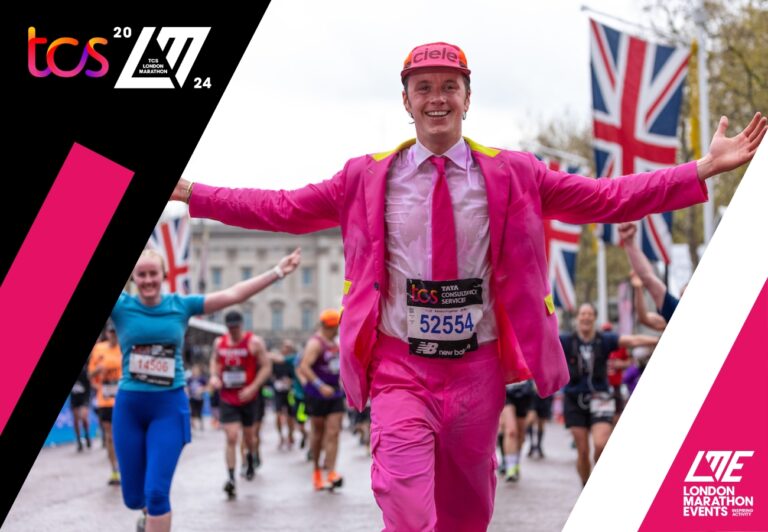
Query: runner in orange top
column 105, row 370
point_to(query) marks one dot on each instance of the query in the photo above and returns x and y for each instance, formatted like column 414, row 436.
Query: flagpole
column 602, row 283
column 699, row 18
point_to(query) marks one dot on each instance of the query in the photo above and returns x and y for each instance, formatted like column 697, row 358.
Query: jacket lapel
column 497, row 187
column 375, row 190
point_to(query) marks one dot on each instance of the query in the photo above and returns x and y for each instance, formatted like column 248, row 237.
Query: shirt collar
column 458, row 153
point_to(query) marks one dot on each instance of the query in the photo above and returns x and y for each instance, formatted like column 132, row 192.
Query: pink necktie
column 444, row 262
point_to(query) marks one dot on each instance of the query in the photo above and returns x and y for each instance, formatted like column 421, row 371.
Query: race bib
column 153, row 363
column 233, row 377
column 282, row 385
column 109, row 389
column 602, row 404
column 334, row 365
column 442, row 316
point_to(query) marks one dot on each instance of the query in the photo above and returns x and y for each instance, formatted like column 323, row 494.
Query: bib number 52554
column 447, row 324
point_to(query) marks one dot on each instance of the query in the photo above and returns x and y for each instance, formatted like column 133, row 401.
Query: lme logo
column 51, row 67
column 722, row 465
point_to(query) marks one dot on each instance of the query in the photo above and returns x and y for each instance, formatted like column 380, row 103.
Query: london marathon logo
column 163, row 59
column 710, row 488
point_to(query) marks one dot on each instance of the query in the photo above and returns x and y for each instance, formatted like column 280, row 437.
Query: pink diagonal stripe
column 51, row 262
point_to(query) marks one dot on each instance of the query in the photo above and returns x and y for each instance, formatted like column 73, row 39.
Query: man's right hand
column 326, row 391
column 215, row 382
column 181, row 191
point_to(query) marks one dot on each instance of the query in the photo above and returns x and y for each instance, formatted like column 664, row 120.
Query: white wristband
column 278, row 272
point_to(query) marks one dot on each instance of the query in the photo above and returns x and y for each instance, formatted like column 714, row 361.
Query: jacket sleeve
column 311, row 208
column 578, row 199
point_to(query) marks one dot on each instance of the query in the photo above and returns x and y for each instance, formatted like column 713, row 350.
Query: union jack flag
column 561, row 242
column 171, row 239
column 637, row 88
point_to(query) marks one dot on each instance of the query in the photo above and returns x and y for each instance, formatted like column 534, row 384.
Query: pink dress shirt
column 407, row 213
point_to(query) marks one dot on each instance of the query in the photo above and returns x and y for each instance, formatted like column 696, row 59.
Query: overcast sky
column 320, row 82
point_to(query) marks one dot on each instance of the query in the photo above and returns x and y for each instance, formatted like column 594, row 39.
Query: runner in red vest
column 239, row 368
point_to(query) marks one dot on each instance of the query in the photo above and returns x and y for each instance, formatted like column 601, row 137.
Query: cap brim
column 406, row 71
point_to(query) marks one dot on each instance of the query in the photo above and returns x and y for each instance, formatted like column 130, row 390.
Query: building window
column 248, row 320
column 306, row 319
column 277, row 318
column 334, row 268
column 306, row 276
column 308, row 316
column 216, row 278
column 246, row 273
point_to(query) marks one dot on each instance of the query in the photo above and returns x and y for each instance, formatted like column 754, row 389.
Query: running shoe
column 335, row 480
column 317, row 480
column 512, row 474
column 256, row 460
column 250, row 472
column 114, row 479
column 141, row 524
column 229, row 488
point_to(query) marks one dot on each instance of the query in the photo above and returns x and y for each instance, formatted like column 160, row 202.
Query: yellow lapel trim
column 383, row 155
column 474, row 146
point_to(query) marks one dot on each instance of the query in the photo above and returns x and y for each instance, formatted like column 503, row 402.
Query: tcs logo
column 422, row 295
column 52, row 68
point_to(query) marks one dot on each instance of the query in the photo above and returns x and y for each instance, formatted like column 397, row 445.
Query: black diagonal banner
column 135, row 87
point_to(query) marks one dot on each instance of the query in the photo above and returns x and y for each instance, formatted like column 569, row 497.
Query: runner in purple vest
column 324, row 397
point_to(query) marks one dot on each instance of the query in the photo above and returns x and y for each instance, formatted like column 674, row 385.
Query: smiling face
column 585, row 320
column 148, row 275
column 437, row 99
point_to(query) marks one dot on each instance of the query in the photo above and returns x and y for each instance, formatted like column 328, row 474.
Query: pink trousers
column 433, row 432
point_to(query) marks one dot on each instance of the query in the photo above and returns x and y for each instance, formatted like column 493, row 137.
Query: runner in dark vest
column 589, row 404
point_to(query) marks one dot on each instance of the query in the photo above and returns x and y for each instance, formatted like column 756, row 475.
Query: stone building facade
column 222, row 255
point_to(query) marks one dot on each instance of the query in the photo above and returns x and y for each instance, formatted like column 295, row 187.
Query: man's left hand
column 728, row 153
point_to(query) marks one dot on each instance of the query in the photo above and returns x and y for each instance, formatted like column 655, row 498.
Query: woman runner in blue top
column 151, row 415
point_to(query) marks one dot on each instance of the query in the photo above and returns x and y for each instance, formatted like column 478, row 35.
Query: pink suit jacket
column 521, row 192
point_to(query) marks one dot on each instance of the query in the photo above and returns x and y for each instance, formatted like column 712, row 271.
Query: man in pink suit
column 444, row 303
